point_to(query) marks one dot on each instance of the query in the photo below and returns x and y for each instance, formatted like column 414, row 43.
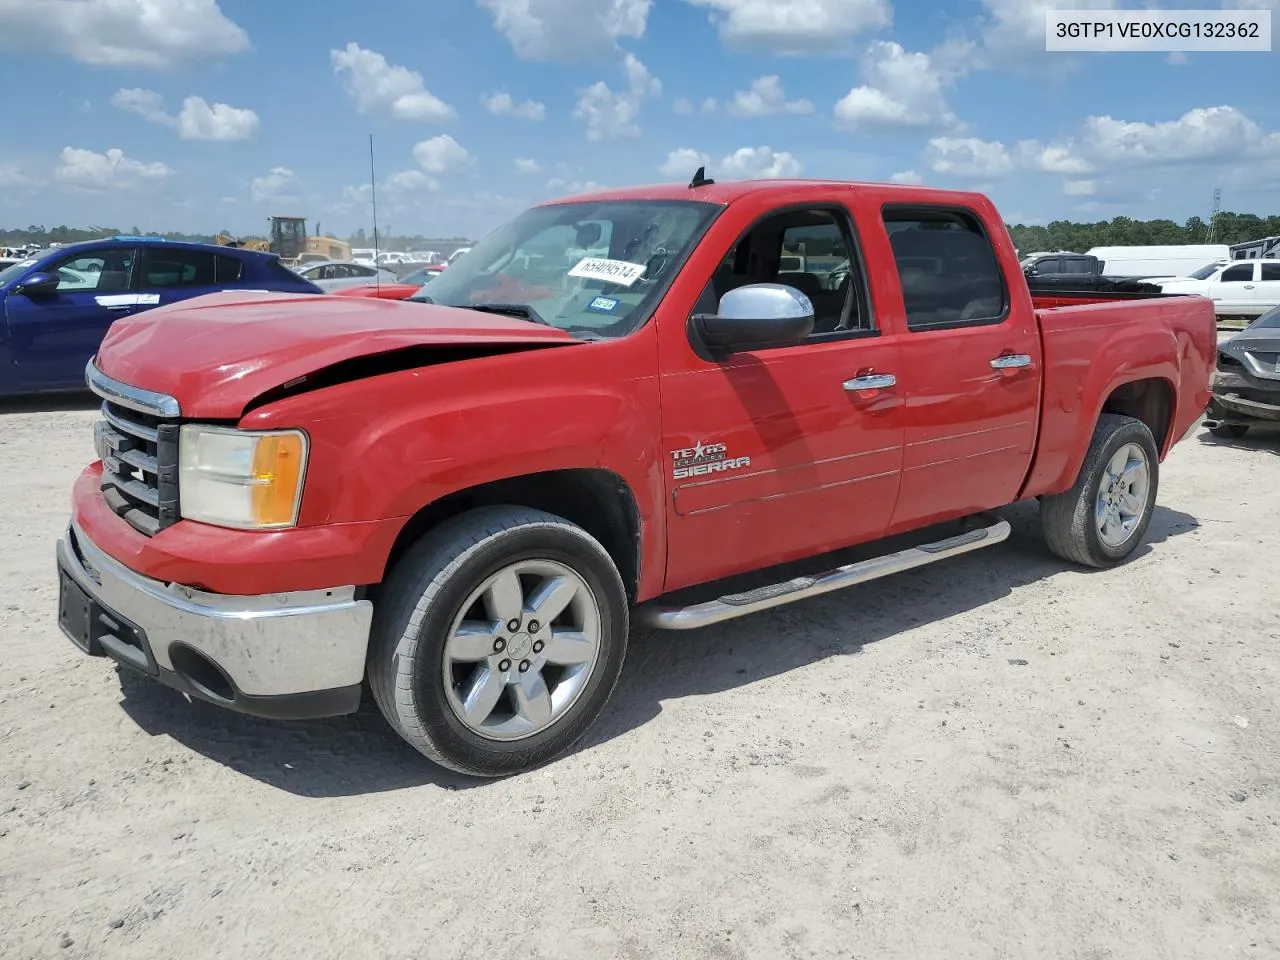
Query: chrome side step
column 801, row 588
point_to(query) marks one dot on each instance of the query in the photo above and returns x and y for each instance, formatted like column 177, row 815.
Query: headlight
column 235, row 478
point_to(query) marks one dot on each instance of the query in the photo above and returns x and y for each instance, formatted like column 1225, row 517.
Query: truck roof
column 730, row 191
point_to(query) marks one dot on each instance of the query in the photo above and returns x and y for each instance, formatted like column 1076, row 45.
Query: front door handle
column 1248, row 286
column 1011, row 361
column 875, row 381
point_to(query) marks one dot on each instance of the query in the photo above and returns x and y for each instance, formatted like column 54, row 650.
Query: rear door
column 970, row 366
column 170, row 274
column 53, row 336
column 1266, row 291
column 780, row 453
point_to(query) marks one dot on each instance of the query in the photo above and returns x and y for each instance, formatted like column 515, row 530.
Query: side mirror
column 39, row 284
column 756, row 317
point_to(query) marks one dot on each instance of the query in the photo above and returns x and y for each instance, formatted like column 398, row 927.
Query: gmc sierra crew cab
column 461, row 502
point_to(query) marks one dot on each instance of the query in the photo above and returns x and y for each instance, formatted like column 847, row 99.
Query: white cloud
column 275, row 186
column 502, row 104
column 1051, row 158
column 1079, row 188
column 610, row 115
column 795, row 26
column 1202, row 134
column 969, row 157
column 681, row 164
column 152, row 34
column 411, row 181
column 527, row 165
column 746, row 163
column 11, row 176
column 710, row 105
column 901, row 89
column 766, row 98
column 373, row 82
column 682, row 106
column 1015, row 28
column 567, row 187
column 218, row 121
column 441, row 154
column 906, row 176
column 145, row 103
column 103, row 171
column 568, row 29
column 198, row 119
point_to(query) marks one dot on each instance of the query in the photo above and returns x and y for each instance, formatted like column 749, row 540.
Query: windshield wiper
column 521, row 310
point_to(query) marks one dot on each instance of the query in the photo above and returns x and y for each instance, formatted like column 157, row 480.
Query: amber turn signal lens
column 277, row 474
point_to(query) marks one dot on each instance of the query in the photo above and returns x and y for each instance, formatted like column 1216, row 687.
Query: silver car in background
column 331, row 275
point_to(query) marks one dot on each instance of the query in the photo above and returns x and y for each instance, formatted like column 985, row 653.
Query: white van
column 1139, row 263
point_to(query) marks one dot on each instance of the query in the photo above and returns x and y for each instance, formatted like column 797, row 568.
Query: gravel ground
column 995, row 757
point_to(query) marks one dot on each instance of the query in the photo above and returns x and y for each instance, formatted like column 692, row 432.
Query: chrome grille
column 137, row 442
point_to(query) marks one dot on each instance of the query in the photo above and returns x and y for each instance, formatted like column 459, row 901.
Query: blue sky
column 209, row 114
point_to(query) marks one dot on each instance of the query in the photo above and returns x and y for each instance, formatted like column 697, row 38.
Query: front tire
column 1101, row 520
column 497, row 639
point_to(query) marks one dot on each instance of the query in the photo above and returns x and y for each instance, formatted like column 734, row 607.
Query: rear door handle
column 875, row 381
column 1011, row 361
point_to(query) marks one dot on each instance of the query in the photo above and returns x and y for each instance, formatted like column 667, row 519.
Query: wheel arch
column 598, row 500
column 1152, row 400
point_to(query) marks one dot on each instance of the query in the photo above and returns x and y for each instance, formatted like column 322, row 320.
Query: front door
column 54, row 335
column 970, row 367
column 777, row 454
column 1233, row 290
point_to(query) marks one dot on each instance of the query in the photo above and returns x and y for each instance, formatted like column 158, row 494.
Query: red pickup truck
column 463, row 503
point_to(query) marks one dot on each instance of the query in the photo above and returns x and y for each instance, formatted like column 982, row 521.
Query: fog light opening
column 205, row 676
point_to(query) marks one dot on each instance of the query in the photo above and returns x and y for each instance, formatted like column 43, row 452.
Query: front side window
column 593, row 268
column 102, row 271
column 1240, row 274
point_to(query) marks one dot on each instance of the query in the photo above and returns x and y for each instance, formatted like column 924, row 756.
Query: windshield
column 1205, row 272
column 591, row 268
column 1268, row 321
column 16, row 270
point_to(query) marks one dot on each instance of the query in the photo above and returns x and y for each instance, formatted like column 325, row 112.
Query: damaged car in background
column 1246, row 384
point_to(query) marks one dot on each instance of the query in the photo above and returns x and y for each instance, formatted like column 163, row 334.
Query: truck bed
column 1168, row 339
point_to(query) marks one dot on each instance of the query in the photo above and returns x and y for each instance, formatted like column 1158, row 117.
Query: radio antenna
column 373, row 191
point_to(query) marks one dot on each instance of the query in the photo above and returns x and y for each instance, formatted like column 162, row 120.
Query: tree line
column 1228, row 228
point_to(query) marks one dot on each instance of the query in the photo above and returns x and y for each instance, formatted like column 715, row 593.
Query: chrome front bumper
column 287, row 655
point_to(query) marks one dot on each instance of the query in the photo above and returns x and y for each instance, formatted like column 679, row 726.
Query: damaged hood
column 216, row 353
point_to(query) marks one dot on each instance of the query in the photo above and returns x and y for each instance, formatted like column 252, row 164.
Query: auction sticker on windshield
column 620, row 272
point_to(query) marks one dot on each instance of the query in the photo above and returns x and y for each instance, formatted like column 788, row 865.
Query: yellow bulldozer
column 289, row 241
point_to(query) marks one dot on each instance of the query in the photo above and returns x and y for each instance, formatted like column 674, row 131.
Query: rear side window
column 227, row 269
column 947, row 268
column 1079, row 267
column 177, row 268
column 1271, row 271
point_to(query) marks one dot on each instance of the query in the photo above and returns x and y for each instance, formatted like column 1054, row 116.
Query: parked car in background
column 1242, row 288
column 56, row 307
column 333, row 275
column 1246, row 384
column 1076, row 271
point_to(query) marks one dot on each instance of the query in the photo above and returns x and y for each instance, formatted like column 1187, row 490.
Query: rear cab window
column 947, row 268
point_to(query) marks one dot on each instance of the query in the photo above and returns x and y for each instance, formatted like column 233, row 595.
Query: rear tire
column 497, row 639
column 1101, row 520
column 1229, row 431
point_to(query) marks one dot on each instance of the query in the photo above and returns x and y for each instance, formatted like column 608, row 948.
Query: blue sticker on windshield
column 602, row 305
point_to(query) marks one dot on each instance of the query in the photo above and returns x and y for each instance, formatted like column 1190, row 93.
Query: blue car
column 55, row 308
